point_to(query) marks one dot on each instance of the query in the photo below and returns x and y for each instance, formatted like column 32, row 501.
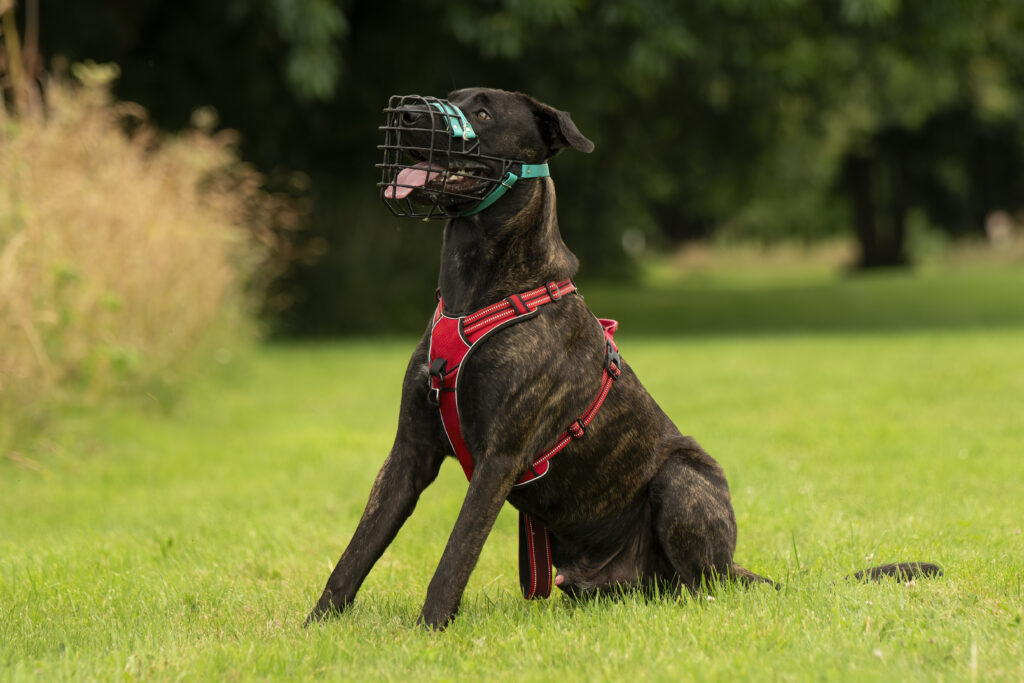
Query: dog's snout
column 411, row 117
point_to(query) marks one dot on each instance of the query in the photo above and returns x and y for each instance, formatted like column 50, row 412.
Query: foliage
column 743, row 120
column 123, row 256
column 745, row 114
column 311, row 29
column 192, row 544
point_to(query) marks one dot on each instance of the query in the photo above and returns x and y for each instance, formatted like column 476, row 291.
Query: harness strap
column 451, row 340
column 534, row 558
column 576, row 430
column 535, row 561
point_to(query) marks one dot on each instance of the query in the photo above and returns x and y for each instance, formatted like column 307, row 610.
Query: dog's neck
column 511, row 247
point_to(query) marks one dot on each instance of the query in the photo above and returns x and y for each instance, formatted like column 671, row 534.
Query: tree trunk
column 875, row 187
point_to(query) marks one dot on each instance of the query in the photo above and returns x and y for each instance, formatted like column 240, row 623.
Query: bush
column 124, row 256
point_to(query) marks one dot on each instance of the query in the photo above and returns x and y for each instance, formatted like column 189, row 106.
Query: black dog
column 630, row 504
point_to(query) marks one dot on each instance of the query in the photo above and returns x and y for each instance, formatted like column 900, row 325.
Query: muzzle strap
column 427, row 141
column 454, row 119
column 526, row 171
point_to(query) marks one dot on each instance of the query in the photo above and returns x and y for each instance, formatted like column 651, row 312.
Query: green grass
column 812, row 298
column 190, row 541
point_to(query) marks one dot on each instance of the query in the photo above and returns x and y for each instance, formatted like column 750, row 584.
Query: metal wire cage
column 432, row 165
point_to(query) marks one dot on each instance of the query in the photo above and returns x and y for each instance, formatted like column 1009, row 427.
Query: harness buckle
column 509, row 180
column 577, row 429
column 612, row 360
column 437, row 369
column 518, row 305
column 555, row 293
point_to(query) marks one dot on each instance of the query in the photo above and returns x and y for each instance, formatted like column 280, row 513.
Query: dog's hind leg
column 693, row 515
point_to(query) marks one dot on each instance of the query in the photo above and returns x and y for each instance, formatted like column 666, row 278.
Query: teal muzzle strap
column 458, row 125
column 526, row 171
column 455, row 120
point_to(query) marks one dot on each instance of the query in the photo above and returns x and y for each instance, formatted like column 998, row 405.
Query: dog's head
column 445, row 158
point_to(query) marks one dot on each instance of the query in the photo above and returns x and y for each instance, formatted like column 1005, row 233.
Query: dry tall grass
column 123, row 256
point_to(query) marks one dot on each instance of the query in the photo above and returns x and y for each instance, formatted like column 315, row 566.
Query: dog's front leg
column 492, row 481
column 411, row 466
column 392, row 499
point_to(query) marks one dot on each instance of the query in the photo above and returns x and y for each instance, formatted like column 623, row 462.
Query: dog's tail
column 899, row 571
column 749, row 578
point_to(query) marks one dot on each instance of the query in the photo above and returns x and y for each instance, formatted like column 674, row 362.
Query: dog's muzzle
column 433, row 167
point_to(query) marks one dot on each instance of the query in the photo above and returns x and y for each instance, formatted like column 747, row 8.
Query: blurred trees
column 753, row 116
column 744, row 118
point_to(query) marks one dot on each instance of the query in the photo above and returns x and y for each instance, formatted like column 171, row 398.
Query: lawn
column 860, row 420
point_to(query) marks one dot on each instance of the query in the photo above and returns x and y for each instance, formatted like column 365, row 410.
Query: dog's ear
column 557, row 128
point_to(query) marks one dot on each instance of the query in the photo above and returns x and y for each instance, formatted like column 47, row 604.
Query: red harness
column 451, row 341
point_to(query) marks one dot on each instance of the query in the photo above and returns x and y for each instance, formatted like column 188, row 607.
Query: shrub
column 125, row 256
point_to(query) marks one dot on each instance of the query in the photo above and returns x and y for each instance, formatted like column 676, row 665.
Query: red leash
column 451, row 341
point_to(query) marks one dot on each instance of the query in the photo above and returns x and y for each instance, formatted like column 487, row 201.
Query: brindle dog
column 632, row 504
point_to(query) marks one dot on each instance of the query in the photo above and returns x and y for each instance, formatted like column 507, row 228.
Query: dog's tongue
column 410, row 178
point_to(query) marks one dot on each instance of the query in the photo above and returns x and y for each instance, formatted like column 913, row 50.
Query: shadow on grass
column 947, row 300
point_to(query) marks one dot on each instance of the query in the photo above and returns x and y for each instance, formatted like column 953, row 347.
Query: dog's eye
column 483, row 115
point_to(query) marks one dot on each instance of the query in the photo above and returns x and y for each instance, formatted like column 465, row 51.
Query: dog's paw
column 325, row 609
column 317, row 615
column 434, row 622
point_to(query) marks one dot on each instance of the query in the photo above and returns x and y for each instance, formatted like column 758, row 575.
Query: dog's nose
column 411, row 118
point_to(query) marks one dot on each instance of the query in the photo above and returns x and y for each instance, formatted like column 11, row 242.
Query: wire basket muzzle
column 432, row 166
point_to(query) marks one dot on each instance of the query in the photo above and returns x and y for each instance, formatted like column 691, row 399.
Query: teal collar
column 526, row 171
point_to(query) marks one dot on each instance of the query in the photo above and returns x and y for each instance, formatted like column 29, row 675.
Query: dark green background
column 735, row 118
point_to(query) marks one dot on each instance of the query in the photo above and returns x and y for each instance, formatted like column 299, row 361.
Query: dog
column 629, row 502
